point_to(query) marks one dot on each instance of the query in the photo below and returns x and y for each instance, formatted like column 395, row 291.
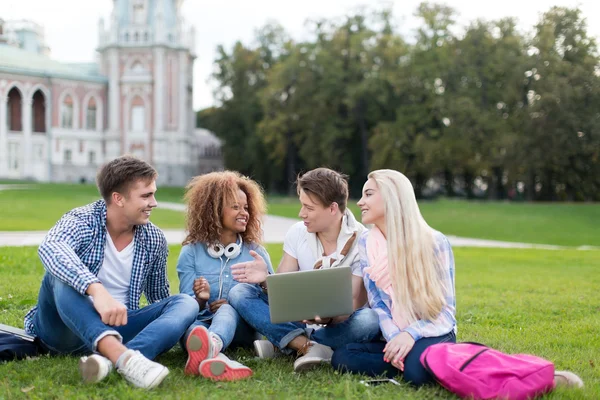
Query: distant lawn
column 41, row 206
column 564, row 224
column 529, row 301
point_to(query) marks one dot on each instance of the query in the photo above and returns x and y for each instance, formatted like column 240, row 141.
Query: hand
column 111, row 311
column 201, row 288
column 254, row 271
column 396, row 350
column 318, row 321
column 215, row 305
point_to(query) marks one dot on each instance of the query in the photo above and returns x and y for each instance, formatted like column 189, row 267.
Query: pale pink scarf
column 377, row 254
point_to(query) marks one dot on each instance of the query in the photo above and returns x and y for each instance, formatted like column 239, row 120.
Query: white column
column 183, row 112
column 113, row 91
column 3, row 137
column 27, row 142
column 159, row 90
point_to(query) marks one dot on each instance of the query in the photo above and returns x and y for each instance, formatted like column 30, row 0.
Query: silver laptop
column 296, row 296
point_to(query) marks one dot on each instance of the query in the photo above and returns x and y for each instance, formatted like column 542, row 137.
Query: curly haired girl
column 224, row 213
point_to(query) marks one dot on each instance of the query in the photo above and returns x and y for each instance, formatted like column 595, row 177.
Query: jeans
column 367, row 359
column 228, row 325
column 252, row 304
column 66, row 322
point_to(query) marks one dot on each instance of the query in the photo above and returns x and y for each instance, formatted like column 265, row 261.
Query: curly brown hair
column 207, row 195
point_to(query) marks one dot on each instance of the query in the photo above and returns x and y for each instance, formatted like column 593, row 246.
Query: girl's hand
column 201, row 288
column 396, row 349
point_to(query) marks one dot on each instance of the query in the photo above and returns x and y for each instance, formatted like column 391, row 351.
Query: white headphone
column 217, row 250
column 232, row 250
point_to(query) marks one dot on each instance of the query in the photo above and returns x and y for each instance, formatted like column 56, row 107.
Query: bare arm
column 359, row 293
column 287, row 264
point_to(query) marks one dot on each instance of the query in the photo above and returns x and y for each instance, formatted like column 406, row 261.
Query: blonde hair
column 414, row 269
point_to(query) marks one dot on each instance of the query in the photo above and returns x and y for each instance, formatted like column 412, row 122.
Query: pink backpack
column 472, row 370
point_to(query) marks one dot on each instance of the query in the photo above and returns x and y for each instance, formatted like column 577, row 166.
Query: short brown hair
column 207, row 195
column 327, row 185
column 119, row 174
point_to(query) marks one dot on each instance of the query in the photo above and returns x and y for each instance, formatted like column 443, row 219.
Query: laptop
column 296, row 296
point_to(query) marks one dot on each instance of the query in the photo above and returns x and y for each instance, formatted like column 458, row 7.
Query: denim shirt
column 194, row 262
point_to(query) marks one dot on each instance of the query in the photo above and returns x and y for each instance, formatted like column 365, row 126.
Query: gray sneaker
column 265, row 349
column 94, row 368
column 317, row 354
column 142, row 372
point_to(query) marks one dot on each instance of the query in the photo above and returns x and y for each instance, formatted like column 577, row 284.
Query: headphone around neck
column 232, row 250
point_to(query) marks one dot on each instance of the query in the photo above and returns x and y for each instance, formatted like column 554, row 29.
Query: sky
column 71, row 26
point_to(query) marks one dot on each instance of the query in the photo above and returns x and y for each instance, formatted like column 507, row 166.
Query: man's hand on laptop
column 254, row 271
column 318, row 321
column 325, row 321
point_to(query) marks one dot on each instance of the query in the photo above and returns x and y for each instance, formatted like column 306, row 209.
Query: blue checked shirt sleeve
column 157, row 288
column 376, row 302
column 58, row 253
column 446, row 320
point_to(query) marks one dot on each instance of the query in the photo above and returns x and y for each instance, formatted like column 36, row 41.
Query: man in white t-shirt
column 99, row 260
column 326, row 237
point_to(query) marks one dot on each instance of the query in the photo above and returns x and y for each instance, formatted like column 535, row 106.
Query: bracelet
column 263, row 286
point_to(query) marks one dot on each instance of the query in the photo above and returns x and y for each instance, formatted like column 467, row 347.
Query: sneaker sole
column 90, row 370
column 259, row 352
column 198, row 346
column 157, row 381
column 310, row 363
column 218, row 370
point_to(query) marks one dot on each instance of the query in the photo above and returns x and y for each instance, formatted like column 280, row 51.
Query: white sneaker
column 142, row 372
column 568, row 379
column 265, row 349
column 316, row 354
column 222, row 368
column 94, row 368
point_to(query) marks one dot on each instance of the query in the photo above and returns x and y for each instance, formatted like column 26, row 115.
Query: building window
column 90, row 115
column 13, row 114
column 38, row 152
column 138, row 119
column 92, row 158
column 13, row 156
column 38, row 112
column 66, row 116
column 68, row 156
column 138, row 12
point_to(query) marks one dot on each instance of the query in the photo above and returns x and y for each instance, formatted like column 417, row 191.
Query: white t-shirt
column 115, row 273
column 296, row 245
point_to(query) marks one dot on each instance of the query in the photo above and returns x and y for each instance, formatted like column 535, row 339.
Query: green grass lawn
column 41, row 206
column 544, row 223
column 529, row 301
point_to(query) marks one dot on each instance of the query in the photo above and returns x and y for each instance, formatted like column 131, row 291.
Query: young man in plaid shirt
column 99, row 259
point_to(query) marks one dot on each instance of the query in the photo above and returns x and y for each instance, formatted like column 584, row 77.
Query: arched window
column 13, row 114
column 38, row 112
column 66, row 113
column 90, row 115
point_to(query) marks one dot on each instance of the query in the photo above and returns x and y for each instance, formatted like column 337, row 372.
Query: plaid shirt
column 381, row 302
column 73, row 251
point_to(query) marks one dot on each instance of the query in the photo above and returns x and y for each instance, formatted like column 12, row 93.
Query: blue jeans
column 228, row 325
column 367, row 359
column 66, row 322
column 253, row 306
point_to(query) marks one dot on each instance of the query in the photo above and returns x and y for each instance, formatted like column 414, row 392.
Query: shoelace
column 304, row 349
column 138, row 366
